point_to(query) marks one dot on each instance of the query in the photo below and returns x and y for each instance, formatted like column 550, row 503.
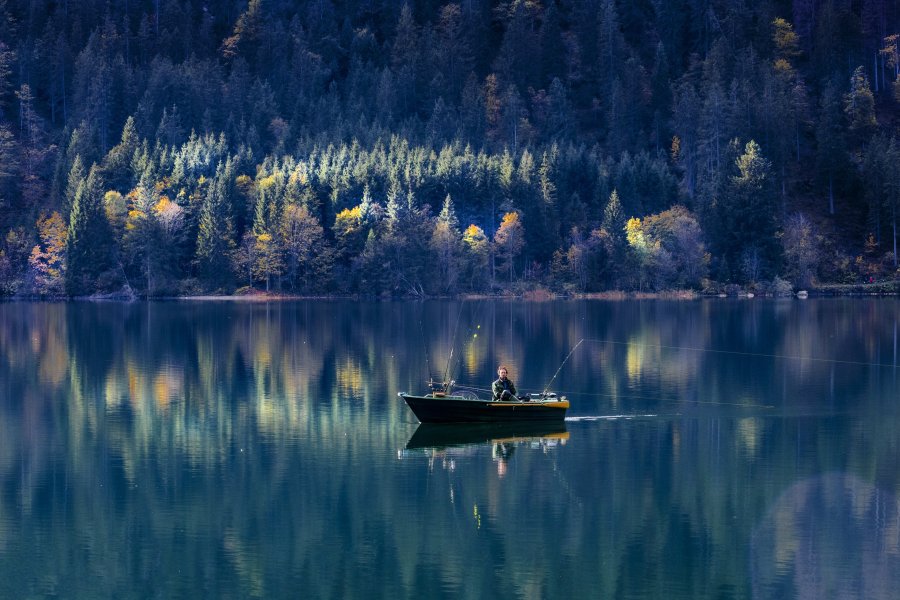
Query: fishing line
column 634, row 397
column 479, row 305
column 662, row 399
column 754, row 354
column 425, row 344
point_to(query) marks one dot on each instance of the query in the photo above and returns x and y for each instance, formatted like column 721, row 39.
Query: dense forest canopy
column 429, row 147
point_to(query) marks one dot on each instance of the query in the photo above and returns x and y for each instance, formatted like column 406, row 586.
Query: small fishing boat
column 443, row 406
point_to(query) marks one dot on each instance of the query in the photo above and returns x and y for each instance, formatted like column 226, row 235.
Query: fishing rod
column 452, row 343
column 447, row 370
column 424, row 344
column 544, row 393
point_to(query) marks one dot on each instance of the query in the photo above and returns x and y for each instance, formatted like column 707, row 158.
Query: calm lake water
column 714, row 449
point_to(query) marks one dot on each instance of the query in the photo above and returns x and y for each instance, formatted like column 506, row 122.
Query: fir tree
column 215, row 235
column 88, row 239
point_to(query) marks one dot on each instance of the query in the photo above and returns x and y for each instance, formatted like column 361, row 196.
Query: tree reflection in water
column 828, row 536
column 250, row 449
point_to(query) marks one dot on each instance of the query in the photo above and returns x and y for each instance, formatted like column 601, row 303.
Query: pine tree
column 7, row 58
column 88, row 238
column 831, row 155
column 445, row 244
column 859, row 106
column 612, row 234
column 9, row 169
column 116, row 165
column 516, row 62
column 215, row 236
column 453, row 58
column 552, row 48
column 74, row 179
column 749, row 217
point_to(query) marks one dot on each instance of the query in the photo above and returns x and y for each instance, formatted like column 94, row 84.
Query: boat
column 441, row 405
column 451, row 435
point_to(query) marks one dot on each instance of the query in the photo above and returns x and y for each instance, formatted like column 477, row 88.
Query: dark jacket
column 500, row 385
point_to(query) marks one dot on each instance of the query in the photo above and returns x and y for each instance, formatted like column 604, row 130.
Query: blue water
column 714, row 449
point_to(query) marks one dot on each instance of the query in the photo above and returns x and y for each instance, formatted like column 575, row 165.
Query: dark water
column 716, row 449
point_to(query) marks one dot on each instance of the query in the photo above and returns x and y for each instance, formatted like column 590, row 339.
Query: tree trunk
column 830, row 194
column 875, row 71
column 62, row 74
column 783, row 192
column 894, row 230
column 147, row 267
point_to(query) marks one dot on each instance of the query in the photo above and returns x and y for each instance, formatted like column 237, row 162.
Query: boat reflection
column 447, row 435
column 444, row 443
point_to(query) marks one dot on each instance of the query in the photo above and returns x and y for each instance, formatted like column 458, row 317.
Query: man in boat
column 504, row 388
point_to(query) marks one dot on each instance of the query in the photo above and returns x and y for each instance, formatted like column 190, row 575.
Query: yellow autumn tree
column 48, row 259
column 508, row 242
column 269, row 261
column 477, row 255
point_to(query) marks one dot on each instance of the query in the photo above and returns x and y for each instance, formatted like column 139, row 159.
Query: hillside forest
column 185, row 147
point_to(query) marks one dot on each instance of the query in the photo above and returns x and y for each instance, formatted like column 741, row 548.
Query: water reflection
column 829, row 536
column 440, row 435
column 447, row 442
column 251, row 450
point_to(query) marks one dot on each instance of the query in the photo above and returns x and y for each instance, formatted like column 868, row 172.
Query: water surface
column 715, row 449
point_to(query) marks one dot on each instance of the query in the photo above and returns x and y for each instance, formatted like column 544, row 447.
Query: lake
column 713, row 449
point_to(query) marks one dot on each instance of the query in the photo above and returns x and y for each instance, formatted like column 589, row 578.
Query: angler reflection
column 502, row 452
column 448, row 443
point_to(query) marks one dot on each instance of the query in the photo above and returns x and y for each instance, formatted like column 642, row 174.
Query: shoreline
column 886, row 289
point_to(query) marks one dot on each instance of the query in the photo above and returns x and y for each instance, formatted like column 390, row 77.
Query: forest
column 185, row 147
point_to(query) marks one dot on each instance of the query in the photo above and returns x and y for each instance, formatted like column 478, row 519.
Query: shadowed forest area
column 181, row 147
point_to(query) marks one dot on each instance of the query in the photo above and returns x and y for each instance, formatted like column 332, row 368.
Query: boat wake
column 608, row 417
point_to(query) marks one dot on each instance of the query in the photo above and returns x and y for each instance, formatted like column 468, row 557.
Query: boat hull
column 455, row 409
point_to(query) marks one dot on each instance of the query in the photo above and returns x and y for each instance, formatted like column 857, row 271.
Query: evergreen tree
column 612, row 235
column 859, row 106
column 74, row 179
column 9, row 170
column 215, row 235
column 611, row 47
column 749, row 218
column 7, row 58
column 831, row 155
column 516, row 61
column 453, row 59
column 552, row 46
column 446, row 245
column 117, row 164
column 88, row 239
